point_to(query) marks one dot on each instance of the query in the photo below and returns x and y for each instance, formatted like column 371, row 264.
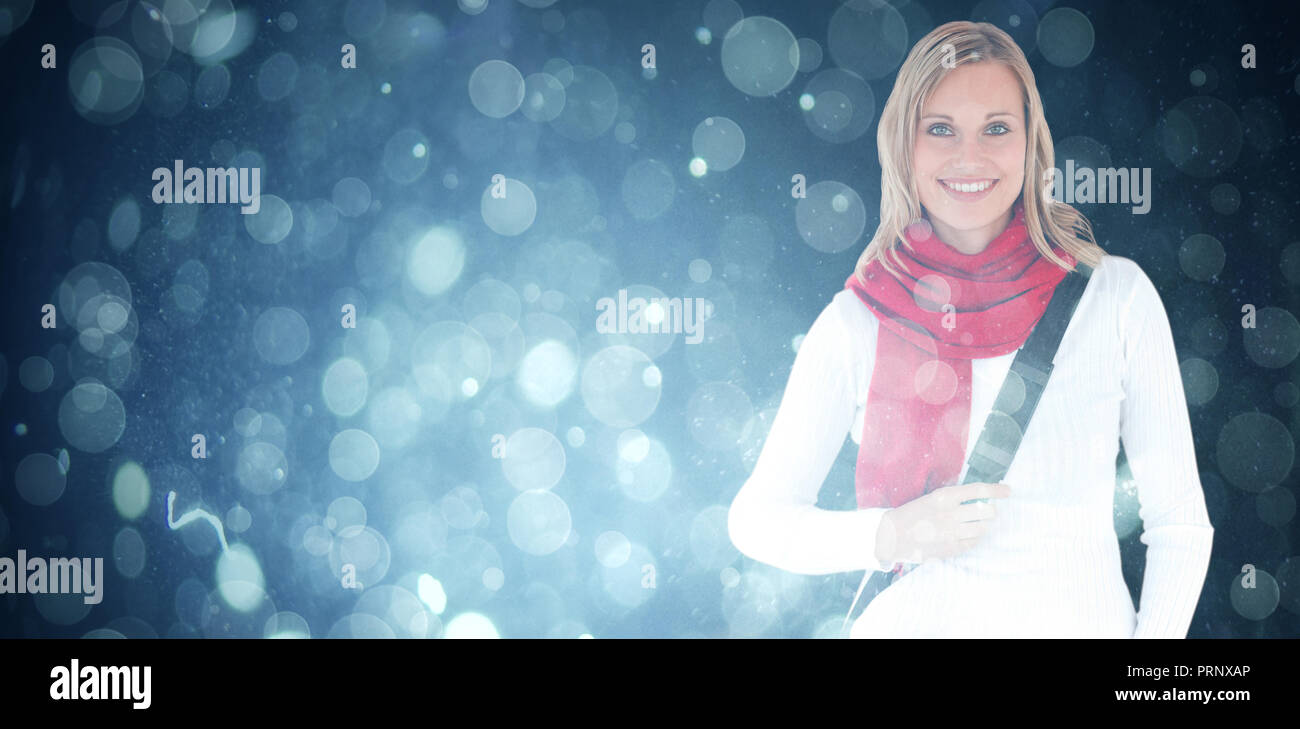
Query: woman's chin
column 965, row 218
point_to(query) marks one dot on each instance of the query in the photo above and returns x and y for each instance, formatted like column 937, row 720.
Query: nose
column 969, row 153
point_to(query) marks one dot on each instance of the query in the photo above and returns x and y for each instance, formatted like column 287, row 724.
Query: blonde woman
column 909, row 358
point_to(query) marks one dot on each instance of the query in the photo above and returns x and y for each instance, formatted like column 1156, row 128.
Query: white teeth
column 969, row 187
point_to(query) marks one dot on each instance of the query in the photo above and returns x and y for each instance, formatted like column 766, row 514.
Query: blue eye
column 1005, row 128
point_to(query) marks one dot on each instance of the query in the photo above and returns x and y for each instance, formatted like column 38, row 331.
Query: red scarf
column 918, row 405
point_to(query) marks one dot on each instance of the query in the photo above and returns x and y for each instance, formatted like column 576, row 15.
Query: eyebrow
column 989, row 116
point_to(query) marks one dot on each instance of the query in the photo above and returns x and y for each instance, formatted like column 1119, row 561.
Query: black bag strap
column 1009, row 420
column 1007, row 423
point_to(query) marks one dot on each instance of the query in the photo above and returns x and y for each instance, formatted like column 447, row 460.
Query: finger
column 971, row 530
column 948, row 539
column 961, row 493
column 943, row 497
column 964, row 493
column 982, row 490
column 974, row 511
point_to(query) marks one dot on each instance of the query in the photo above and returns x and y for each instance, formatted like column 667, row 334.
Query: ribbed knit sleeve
column 1157, row 438
column 774, row 518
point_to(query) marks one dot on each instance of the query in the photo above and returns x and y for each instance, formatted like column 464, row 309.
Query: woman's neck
column 973, row 240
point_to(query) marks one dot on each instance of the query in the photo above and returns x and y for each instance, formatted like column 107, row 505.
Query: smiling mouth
column 969, row 185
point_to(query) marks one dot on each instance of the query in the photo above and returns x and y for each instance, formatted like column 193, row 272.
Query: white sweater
column 1050, row 564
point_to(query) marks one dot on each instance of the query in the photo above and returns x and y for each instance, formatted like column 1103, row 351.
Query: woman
column 910, row 356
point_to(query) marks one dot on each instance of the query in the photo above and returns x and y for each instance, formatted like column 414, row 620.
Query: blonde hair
column 1045, row 218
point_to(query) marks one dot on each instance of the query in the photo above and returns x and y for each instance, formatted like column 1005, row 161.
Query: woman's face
column 971, row 135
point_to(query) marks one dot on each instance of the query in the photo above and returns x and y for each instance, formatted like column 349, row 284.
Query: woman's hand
column 937, row 524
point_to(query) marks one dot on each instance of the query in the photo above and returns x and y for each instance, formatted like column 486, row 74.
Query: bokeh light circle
column 40, row 480
column 106, row 80
column 760, row 56
column 1255, row 452
column 831, row 218
column 591, row 105
column 718, row 141
column 513, row 212
column 1201, row 257
column 92, row 417
column 496, row 88
column 354, row 455
column 867, row 37
column 1065, row 37
column 1202, row 136
column 614, row 388
column 539, row 522
column 1274, row 341
column 281, row 335
column 534, row 459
